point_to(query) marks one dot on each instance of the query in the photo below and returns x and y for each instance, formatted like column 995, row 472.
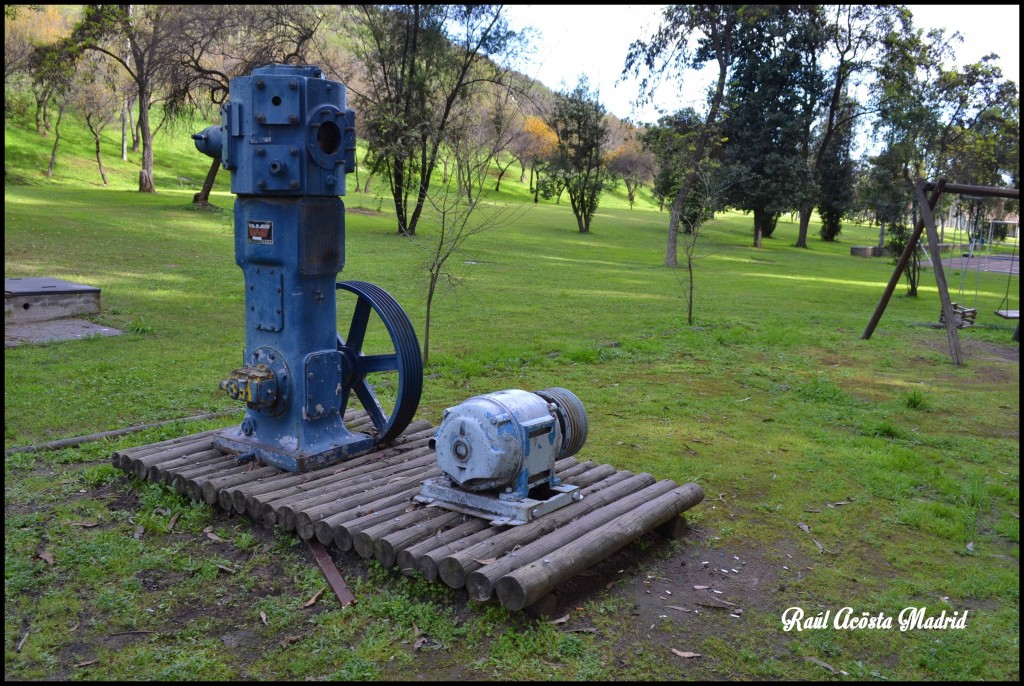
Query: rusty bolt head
column 260, row 118
column 260, row 84
column 293, row 119
column 261, row 184
column 293, row 184
column 293, row 85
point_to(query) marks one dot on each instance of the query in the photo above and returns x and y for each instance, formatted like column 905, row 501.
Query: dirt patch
column 363, row 210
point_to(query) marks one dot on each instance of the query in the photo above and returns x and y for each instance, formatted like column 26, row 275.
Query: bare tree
column 703, row 200
column 419, row 62
column 97, row 99
column 456, row 206
column 215, row 43
column 150, row 57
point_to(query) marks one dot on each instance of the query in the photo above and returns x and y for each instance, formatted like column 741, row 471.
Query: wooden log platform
column 366, row 504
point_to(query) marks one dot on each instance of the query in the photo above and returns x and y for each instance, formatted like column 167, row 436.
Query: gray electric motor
column 495, row 448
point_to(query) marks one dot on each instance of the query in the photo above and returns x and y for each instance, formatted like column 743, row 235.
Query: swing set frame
column 926, row 224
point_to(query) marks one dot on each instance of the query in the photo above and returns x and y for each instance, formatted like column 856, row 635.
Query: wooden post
column 387, row 547
column 901, row 264
column 940, row 276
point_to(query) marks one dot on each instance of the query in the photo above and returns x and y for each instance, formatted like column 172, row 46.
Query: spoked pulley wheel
column 404, row 359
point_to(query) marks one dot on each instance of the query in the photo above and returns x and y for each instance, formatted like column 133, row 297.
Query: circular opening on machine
column 276, row 100
column 328, row 137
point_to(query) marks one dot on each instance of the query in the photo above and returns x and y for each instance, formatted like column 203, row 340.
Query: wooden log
column 455, row 568
column 118, row 458
column 211, row 487
column 404, row 445
column 258, row 503
column 360, row 522
column 428, row 563
column 674, row 529
column 193, row 485
column 528, row 584
column 341, row 526
column 288, row 509
column 180, row 480
column 155, row 472
column 215, row 457
column 386, row 548
column 591, row 476
column 408, row 559
column 481, row 578
column 575, row 469
column 363, row 542
column 139, row 465
column 308, row 518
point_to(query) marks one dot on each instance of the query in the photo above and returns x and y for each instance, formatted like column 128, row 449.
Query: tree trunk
column 146, row 173
column 759, row 217
column 125, row 115
column 671, row 250
column 202, row 198
column 805, row 221
column 56, row 141
column 99, row 158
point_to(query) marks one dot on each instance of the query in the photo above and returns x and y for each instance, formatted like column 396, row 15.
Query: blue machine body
column 288, row 140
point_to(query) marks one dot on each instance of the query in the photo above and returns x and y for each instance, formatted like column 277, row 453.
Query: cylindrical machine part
column 509, row 439
column 571, row 416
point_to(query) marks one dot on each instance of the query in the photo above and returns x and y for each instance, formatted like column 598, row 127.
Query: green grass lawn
column 770, row 401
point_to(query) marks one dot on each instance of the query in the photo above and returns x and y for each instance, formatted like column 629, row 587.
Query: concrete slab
column 53, row 330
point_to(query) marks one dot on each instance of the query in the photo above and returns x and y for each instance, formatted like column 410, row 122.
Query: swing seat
column 1008, row 314
column 963, row 317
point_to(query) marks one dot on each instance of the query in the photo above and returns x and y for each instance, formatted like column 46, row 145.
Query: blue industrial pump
column 288, row 139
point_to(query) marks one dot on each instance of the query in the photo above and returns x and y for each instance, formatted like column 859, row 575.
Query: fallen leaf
column 227, row 569
column 804, row 527
column 700, row 588
column 46, row 557
column 288, row 640
column 316, row 596
column 970, row 546
column 560, row 620
column 419, row 642
column 686, row 654
column 214, row 537
column 174, row 520
column 263, row 616
column 410, row 507
column 837, row 504
column 676, row 607
column 415, row 631
column 485, row 562
column 821, row 663
column 139, row 530
column 162, row 510
column 85, row 525
column 86, row 663
column 207, row 529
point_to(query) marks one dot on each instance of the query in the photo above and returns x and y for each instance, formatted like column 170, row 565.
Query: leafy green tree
column 765, row 120
column 578, row 120
column 712, row 30
column 836, row 176
column 841, row 47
